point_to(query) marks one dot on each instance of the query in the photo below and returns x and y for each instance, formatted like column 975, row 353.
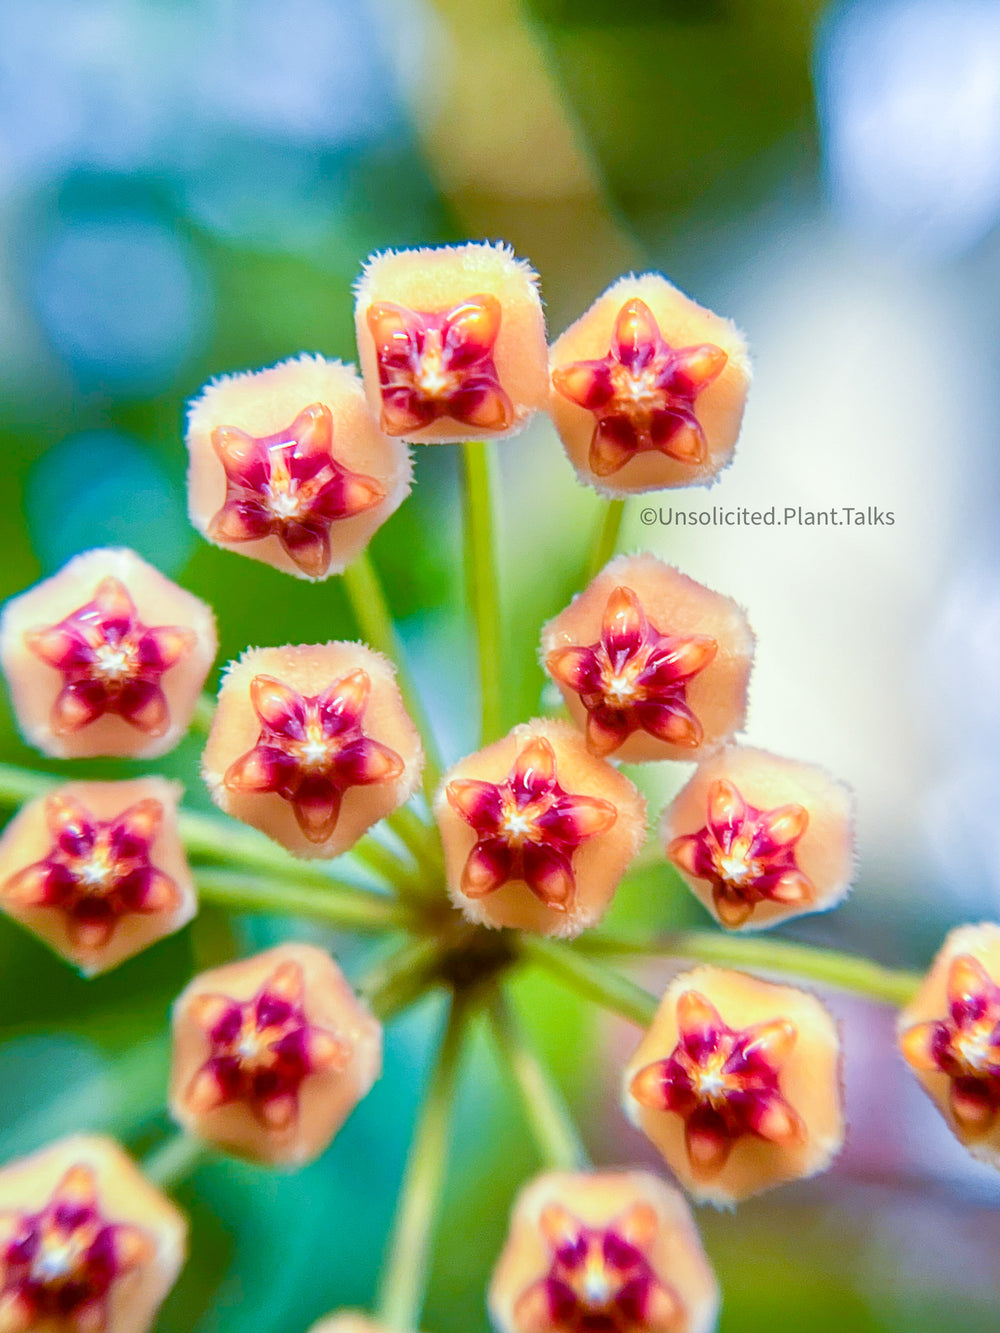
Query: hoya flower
column 271, row 1055
column 451, row 342
column 537, row 833
column 106, row 657
column 949, row 1035
column 602, row 1252
column 651, row 664
column 737, row 1083
column 648, row 389
column 97, row 870
column 87, row 1245
column 288, row 466
column 312, row 745
column 759, row 838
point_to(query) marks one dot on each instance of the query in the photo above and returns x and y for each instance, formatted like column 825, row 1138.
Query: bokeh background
column 189, row 187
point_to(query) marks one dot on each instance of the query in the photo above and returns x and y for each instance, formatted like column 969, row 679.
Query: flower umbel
column 60, row 1264
column 96, row 871
column 642, row 392
column 600, row 1280
column 634, row 678
column 291, row 486
column 262, row 1050
column 965, row 1045
column 527, row 828
column 723, row 1082
column 747, row 855
column 312, row 748
column 434, row 364
column 111, row 662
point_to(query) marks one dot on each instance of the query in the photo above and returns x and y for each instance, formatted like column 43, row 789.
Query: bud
column 288, row 466
column 737, row 1083
column 107, row 657
column 537, row 833
column 651, row 664
column 271, row 1055
column 759, row 839
column 451, row 342
column 613, row 1252
column 97, row 870
column 348, row 1321
column 648, row 389
column 949, row 1035
column 87, row 1244
column 312, row 745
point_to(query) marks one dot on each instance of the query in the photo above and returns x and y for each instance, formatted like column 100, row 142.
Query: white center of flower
column 596, row 1287
column 114, row 661
column 620, row 690
column 431, row 378
column 736, row 869
column 284, row 501
column 640, row 390
column 56, row 1260
column 516, row 825
column 975, row 1048
column 96, row 871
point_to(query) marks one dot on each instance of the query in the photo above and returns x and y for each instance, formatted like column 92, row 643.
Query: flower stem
column 405, row 1276
column 482, row 582
column 204, row 712
column 591, row 979
column 846, row 972
column 397, row 980
column 174, row 1160
column 371, row 611
column 608, row 532
column 341, row 905
column 545, row 1107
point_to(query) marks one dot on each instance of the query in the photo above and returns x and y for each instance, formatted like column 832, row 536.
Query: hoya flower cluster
column 736, row 1081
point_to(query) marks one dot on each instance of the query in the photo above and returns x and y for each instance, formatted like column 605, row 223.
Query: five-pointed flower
column 723, row 1082
column 58, row 1265
column 289, row 486
column 439, row 364
column 111, row 662
column 634, row 677
column 96, row 871
column 527, row 828
column 642, row 393
column 600, row 1280
column 262, row 1050
column 747, row 855
column 312, row 748
column 965, row 1045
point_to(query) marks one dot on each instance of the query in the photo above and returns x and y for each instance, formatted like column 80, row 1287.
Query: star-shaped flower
column 111, row 662
column 634, row 678
column 97, row 871
column 723, row 1082
column 642, row 393
column 262, row 1050
column 965, row 1045
column 434, row 364
column 599, row 1280
column 312, row 748
column 527, row 828
column 58, row 1266
column 748, row 855
column 289, row 486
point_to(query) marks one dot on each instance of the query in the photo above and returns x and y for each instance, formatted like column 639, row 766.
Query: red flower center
column 723, row 1082
column 642, row 393
column 434, row 364
column 634, row 678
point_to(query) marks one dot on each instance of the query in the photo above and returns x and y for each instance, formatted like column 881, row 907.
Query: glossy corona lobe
column 737, row 1083
column 271, row 1054
column 537, row 832
column 288, row 466
column 648, row 389
column 97, row 870
column 107, row 657
column 950, row 1036
column 651, row 664
column 451, row 342
column 312, row 745
column 602, row 1252
column 759, row 838
column 87, row 1245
